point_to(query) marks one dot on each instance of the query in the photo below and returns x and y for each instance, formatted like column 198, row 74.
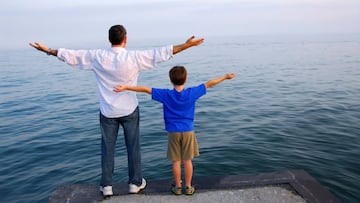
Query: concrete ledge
column 298, row 181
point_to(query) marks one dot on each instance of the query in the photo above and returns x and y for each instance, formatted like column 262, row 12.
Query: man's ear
column 124, row 42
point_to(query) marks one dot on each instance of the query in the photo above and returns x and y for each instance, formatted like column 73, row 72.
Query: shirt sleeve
column 148, row 59
column 198, row 91
column 158, row 94
column 77, row 58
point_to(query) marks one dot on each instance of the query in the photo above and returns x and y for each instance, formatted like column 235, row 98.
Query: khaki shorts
column 182, row 146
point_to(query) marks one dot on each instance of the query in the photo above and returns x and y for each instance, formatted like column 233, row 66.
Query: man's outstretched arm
column 189, row 43
column 176, row 49
column 218, row 80
column 44, row 48
column 121, row 88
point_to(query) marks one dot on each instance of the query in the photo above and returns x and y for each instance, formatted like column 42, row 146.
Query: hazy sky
column 70, row 22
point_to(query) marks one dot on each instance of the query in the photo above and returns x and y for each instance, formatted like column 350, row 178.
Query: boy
column 179, row 109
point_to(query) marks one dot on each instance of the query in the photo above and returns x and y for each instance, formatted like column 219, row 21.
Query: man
column 113, row 66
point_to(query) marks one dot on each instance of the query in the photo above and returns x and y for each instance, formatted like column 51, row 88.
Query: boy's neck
column 179, row 88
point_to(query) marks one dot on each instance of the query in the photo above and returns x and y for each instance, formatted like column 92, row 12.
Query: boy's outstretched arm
column 218, row 80
column 121, row 88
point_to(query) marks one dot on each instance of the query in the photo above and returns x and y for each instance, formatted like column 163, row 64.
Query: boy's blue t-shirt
column 179, row 107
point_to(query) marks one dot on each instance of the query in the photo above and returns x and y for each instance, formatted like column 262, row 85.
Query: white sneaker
column 134, row 189
column 106, row 191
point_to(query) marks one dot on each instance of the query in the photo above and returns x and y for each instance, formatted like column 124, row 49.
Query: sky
column 69, row 23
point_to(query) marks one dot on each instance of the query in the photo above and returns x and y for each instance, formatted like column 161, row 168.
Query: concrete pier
column 288, row 186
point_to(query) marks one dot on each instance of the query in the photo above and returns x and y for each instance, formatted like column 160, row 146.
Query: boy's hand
column 229, row 76
column 119, row 88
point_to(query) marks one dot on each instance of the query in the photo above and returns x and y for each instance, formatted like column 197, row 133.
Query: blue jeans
column 109, row 132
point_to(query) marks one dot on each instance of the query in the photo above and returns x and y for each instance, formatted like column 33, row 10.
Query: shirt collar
column 117, row 49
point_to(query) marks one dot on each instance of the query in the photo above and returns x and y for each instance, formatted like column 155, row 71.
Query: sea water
column 294, row 104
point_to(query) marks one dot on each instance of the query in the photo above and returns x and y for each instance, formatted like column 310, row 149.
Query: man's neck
column 122, row 45
column 118, row 46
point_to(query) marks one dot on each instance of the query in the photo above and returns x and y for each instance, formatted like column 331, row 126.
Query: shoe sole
column 138, row 191
column 176, row 193
column 188, row 193
column 141, row 189
column 107, row 195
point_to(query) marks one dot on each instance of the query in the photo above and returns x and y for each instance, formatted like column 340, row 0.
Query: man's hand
column 44, row 48
column 39, row 47
column 194, row 42
column 189, row 43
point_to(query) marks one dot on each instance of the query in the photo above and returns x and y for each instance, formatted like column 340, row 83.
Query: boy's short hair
column 177, row 75
column 117, row 34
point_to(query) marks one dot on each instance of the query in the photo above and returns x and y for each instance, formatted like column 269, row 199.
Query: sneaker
column 189, row 190
column 176, row 190
column 134, row 189
column 106, row 191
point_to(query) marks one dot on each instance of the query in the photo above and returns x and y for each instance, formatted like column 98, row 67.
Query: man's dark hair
column 178, row 75
column 117, row 34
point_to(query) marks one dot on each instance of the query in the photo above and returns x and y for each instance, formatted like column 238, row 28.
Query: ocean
column 294, row 104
